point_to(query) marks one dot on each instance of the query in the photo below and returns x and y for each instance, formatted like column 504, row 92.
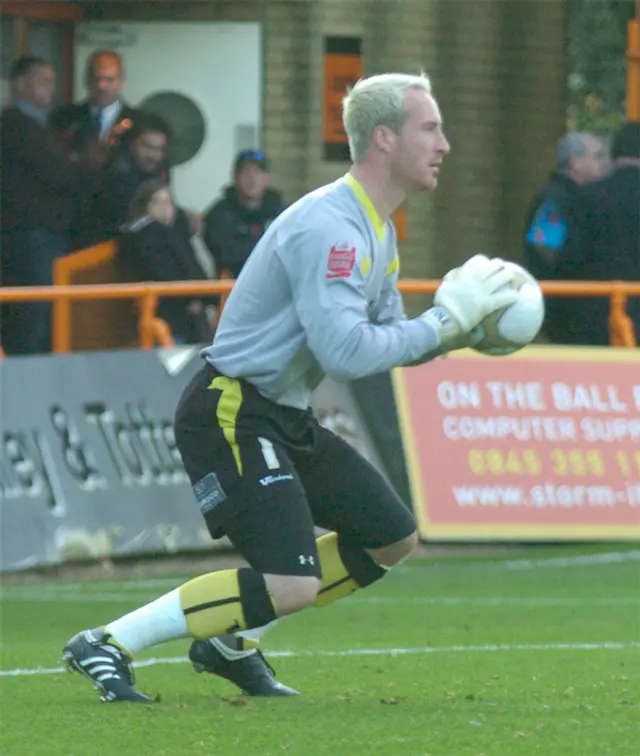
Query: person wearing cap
column 234, row 224
column 607, row 240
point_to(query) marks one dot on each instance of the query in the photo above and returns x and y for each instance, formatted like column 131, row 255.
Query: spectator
column 552, row 214
column 104, row 118
column 38, row 195
column 144, row 157
column 157, row 247
column 233, row 226
column 607, row 240
column 94, row 129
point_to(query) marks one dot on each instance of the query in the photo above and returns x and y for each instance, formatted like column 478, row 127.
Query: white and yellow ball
column 511, row 328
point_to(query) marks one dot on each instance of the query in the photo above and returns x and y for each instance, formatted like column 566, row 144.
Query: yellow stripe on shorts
column 227, row 411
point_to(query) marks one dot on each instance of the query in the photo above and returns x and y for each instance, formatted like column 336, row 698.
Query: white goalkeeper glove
column 464, row 299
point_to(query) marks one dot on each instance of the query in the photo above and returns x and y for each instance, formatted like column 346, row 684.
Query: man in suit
column 606, row 243
column 95, row 130
column 38, row 195
column 100, row 122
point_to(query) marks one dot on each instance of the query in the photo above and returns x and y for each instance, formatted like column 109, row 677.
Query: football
column 509, row 329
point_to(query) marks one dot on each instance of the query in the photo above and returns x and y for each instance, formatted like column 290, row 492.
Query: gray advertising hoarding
column 88, row 462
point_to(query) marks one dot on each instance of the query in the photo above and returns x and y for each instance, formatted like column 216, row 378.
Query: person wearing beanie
column 234, row 224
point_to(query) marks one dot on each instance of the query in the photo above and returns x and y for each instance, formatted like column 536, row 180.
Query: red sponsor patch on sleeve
column 341, row 261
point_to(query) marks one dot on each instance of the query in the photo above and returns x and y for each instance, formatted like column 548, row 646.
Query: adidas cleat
column 249, row 670
column 92, row 654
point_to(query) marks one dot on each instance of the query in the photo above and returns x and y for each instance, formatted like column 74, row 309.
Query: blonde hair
column 377, row 101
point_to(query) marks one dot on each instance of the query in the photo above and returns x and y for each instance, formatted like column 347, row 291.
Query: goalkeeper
column 317, row 296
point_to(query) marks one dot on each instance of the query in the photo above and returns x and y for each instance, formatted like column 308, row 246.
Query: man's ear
column 383, row 138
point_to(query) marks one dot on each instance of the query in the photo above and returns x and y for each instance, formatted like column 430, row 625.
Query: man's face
column 592, row 164
column 38, row 87
column 252, row 181
column 149, row 150
column 104, row 81
column 420, row 147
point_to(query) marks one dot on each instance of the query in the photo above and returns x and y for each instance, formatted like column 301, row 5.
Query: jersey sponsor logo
column 342, row 259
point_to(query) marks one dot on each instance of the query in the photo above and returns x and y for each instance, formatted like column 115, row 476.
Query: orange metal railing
column 64, row 271
column 153, row 332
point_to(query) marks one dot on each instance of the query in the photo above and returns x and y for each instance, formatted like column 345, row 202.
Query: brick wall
column 498, row 70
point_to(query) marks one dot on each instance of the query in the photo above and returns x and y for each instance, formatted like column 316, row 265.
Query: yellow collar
column 378, row 224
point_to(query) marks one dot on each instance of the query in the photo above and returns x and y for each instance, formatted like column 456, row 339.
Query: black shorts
column 264, row 475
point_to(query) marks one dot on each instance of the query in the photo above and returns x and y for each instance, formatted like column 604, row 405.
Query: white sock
column 158, row 622
column 257, row 632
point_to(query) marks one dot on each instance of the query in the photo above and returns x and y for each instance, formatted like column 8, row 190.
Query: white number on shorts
column 269, row 454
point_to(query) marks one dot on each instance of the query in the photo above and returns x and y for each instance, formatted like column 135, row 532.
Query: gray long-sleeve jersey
column 318, row 296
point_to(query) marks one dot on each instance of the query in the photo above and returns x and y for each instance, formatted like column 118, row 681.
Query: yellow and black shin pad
column 222, row 602
column 345, row 568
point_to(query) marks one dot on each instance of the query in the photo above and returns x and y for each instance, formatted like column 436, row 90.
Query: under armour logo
column 306, row 559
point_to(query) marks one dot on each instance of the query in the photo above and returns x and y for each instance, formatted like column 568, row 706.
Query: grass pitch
column 456, row 656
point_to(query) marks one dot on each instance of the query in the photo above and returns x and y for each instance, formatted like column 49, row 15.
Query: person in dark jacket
column 104, row 118
column 39, row 191
column 234, row 224
column 553, row 214
column 607, row 240
column 156, row 246
column 95, row 131
column 142, row 159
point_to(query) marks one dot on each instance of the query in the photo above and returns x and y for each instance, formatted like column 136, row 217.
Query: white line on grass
column 478, row 601
column 579, row 560
column 493, row 601
column 171, row 582
column 586, row 560
column 78, row 598
column 607, row 646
